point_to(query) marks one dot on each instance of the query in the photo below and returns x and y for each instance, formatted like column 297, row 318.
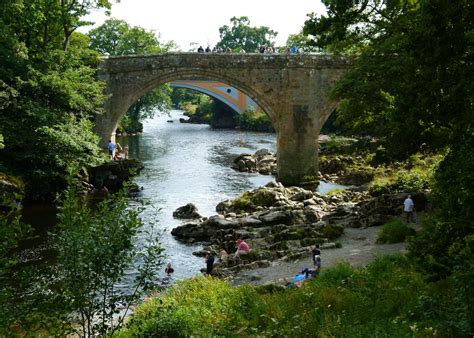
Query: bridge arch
column 232, row 97
column 291, row 90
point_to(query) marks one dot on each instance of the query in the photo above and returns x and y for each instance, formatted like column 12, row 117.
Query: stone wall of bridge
column 291, row 89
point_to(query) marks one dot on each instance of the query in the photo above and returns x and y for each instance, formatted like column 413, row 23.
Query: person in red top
column 242, row 248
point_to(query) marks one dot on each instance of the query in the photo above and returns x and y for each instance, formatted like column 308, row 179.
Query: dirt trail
column 358, row 248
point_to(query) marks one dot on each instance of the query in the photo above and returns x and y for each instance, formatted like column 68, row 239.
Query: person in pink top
column 242, row 248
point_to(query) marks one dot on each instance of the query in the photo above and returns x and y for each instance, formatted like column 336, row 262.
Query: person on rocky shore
column 125, row 152
column 210, row 258
column 111, row 148
column 316, row 257
column 408, row 208
column 223, row 256
column 242, row 248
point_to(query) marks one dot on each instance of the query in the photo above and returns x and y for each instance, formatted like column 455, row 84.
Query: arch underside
column 193, row 75
column 236, row 100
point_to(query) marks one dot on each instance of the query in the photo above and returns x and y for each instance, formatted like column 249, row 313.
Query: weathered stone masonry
column 291, row 89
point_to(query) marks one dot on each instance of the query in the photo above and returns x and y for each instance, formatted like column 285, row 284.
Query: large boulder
column 188, row 211
column 113, row 174
column 262, row 161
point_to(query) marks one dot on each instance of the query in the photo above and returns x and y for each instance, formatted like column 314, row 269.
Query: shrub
column 335, row 191
column 394, row 231
column 255, row 121
column 263, row 197
column 331, row 231
column 386, row 299
column 242, row 202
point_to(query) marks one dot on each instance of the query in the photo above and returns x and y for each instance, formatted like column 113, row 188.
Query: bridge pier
column 297, row 149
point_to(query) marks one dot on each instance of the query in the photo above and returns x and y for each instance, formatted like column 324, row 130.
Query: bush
column 255, row 121
column 394, row 231
column 243, row 202
column 414, row 180
column 386, row 299
column 331, row 231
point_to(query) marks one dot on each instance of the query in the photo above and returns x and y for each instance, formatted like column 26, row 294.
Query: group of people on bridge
column 262, row 49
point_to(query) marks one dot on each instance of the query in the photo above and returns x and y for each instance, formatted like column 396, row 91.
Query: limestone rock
column 188, row 211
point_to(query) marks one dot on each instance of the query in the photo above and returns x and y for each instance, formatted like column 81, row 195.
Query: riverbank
column 358, row 247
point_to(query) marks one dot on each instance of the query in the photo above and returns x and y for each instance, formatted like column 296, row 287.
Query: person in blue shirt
column 111, row 149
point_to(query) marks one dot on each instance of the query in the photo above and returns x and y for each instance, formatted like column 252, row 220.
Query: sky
column 198, row 21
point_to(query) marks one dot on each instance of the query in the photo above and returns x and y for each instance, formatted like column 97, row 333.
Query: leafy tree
column 301, row 42
column 48, row 81
column 94, row 250
column 411, row 85
column 411, row 72
column 240, row 35
column 116, row 37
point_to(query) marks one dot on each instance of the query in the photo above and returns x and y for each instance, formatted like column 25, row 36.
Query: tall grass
column 386, row 299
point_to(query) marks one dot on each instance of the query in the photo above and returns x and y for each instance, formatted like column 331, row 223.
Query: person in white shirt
column 408, row 208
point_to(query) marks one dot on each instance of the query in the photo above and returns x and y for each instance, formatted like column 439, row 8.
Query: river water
column 190, row 163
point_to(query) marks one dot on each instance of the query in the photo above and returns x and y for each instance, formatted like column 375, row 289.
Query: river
column 191, row 163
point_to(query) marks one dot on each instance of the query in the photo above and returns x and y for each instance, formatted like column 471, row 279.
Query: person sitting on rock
column 242, row 248
column 223, row 256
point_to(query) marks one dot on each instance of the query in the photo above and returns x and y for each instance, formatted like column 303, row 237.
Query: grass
column 335, row 191
column 394, row 231
column 386, row 299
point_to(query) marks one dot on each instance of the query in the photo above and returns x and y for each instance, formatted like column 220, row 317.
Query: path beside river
column 358, row 249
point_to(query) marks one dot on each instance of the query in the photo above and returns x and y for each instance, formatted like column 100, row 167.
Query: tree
column 94, row 250
column 411, row 85
column 47, row 85
column 116, row 37
column 301, row 42
column 411, row 71
column 242, row 36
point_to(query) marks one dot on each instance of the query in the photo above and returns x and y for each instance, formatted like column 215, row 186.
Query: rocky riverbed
column 340, row 169
column 283, row 223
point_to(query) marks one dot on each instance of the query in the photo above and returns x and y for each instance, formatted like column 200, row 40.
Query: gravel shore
column 358, row 248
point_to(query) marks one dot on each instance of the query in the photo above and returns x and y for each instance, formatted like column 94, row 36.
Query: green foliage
column 337, row 144
column 242, row 36
column 94, row 249
column 388, row 298
column 331, row 231
column 301, row 42
column 335, row 191
column 394, row 231
column 255, row 121
column 414, row 180
column 446, row 235
column 410, row 74
column 263, row 197
column 181, row 96
column 48, row 88
column 116, row 37
column 243, row 202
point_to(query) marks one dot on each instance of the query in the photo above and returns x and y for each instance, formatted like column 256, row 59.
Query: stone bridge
column 291, row 89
